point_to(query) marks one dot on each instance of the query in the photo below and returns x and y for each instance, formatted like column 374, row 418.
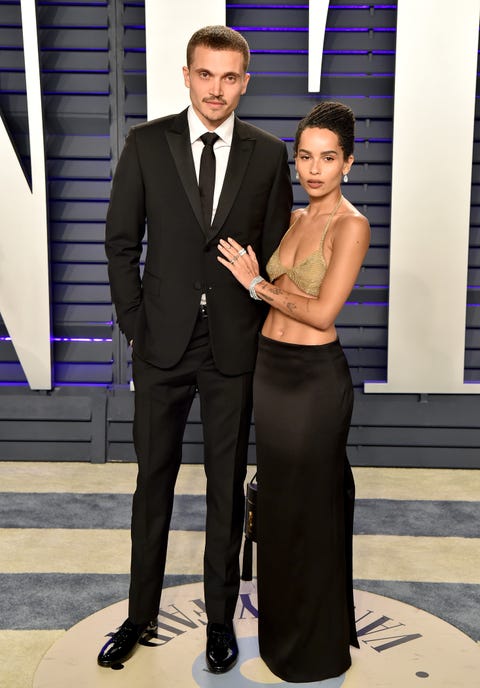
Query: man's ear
column 246, row 79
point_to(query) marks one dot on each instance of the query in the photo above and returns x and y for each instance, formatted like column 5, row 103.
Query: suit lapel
column 243, row 143
column 178, row 138
column 242, row 146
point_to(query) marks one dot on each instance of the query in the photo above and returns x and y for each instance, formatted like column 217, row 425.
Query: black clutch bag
column 250, row 528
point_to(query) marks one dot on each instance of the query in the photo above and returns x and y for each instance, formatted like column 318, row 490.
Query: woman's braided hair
column 334, row 116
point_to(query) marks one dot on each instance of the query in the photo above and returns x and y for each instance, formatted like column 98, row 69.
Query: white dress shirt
column 221, row 149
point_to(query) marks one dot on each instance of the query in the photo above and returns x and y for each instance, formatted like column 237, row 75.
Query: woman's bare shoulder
column 351, row 227
column 352, row 218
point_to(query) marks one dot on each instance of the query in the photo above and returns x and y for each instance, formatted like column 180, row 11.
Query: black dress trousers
column 163, row 398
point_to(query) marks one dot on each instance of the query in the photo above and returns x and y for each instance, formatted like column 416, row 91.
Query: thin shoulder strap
column 277, row 250
column 329, row 221
column 292, row 225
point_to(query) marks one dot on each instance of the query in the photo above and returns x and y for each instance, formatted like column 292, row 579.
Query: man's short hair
column 219, row 38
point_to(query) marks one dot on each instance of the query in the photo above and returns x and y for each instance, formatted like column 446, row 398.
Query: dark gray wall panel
column 59, row 426
column 93, row 79
column 414, row 457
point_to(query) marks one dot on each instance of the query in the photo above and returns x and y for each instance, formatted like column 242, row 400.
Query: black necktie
column 206, row 178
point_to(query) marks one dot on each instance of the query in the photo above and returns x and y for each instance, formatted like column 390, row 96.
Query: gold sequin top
column 309, row 273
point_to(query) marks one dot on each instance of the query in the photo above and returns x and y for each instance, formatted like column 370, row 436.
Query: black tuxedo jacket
column 155, row 182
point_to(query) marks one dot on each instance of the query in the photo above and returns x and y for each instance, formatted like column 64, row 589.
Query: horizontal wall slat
column 45, row 451
column 95, row 373
column 81, row 293
column 83, row 352
column 75, row 211
column 77, row 231
column 79, row 312
column 281, row 41
column 79, row 274
column 432, row 457
column 79, row 169
column 362, row 315
column 76, row 39
column 39, row 431
column 39, row 408
column 415, row 437
column 62, row 16
column 252, row 106
column 91, row 147
column 79, row 190
column 75, row 61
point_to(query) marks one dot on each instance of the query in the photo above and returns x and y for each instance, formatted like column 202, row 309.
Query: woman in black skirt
column 303, row 404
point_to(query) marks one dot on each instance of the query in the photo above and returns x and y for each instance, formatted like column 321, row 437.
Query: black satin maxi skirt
column 303, row 400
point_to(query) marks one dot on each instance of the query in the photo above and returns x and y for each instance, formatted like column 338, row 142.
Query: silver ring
column 242, row 252
column 232, row 260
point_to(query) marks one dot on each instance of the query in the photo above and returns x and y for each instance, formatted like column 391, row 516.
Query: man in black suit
column 191, row 325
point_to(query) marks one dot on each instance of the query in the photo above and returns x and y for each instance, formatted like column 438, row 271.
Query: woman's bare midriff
column 285, row 329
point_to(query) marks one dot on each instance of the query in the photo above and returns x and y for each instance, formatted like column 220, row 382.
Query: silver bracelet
column 256, row 280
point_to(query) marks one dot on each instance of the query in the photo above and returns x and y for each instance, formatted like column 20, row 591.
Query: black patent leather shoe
column 222, row 648
column 123, row 642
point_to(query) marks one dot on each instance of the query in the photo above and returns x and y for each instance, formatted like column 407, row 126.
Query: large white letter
column 168, row 27
column 24, row 283
column 435, row 79
column 317, row 22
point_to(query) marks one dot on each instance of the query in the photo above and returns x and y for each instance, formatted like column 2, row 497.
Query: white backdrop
column 432, row 173
column 24, row 270
column 168, row 27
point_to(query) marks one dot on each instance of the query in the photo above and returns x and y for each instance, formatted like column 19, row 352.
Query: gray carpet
column 112, row 511
column 54, row 600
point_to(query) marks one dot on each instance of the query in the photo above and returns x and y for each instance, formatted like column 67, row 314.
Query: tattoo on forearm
column 269, row 294
column 277, row 291
column 290, row 306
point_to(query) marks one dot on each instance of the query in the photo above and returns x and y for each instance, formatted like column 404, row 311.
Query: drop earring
column 297, row 176
column 345, row 178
